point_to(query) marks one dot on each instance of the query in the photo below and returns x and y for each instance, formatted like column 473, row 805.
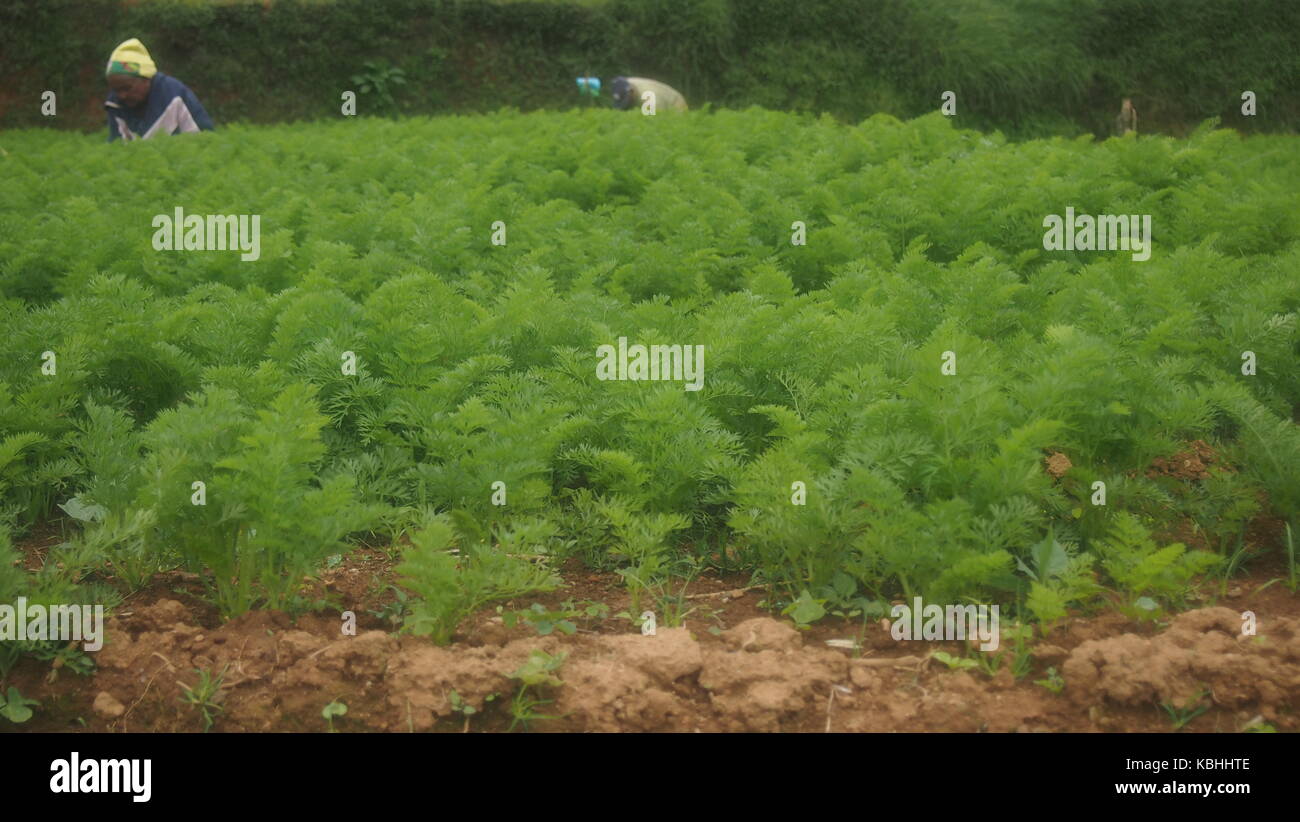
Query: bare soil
column 731, row 666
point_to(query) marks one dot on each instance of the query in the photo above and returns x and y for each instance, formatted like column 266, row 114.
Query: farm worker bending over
column 627, row 93
column 143, row 102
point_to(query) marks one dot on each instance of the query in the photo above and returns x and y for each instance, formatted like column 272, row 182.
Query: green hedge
column 1024, row 66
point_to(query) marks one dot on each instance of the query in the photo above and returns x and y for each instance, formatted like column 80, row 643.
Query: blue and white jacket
column 170, row 108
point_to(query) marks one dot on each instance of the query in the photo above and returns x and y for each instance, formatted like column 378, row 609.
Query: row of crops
column 412, row 359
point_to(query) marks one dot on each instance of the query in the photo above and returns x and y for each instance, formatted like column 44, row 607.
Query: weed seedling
column 1258, row 726
column 15, row 707
column 205, row 695
column 1231, row 565
column 673, row 604
column 395, row 612
column 1022, row 659
column 465, row 709
column 955, row 663
column 537, row 672
column 674, row 608
column 1053, row 682
column 1022, row 663
column 591, row 610
column 521, row 709
column 1180, row 716
column 543, row 621
column 68, row 657
column 462, row 707
column 335, row 708
column 805, row 610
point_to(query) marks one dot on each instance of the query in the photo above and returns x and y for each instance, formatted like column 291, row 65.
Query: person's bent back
column 627, row 92
column 143, row 102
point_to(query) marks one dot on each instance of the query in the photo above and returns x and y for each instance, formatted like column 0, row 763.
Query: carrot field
column 465, row 404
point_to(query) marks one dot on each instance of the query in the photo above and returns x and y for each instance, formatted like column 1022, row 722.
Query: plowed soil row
column 731, row 666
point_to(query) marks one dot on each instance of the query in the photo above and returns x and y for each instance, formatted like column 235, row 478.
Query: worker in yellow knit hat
column 143, row 102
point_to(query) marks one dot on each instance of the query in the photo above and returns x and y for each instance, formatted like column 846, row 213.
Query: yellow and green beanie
column 131, row 58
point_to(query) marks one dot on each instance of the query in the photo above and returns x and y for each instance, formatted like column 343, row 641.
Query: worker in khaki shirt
column 627, row 92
